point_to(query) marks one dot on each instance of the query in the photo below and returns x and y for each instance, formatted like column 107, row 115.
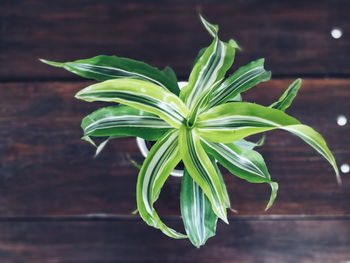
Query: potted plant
column 203, row 125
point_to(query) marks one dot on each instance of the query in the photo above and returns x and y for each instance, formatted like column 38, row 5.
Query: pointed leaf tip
column 234, row 44
column 211, row 28
column 51, row 63
column 226, row 220
column 202, row 171
column 241, row 80
column 274, row 189
column 89, row 140
column 339, row 180
column 288, row 96
column 233, row 210
column 198, row 217
column 101, row 146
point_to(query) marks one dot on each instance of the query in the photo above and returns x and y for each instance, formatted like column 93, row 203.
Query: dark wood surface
column 260, row 241
column 60, row 205
column 294, row 36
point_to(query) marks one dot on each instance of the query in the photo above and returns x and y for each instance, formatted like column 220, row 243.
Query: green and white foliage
column 204, row 125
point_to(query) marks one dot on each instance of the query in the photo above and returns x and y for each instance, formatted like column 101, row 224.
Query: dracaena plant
column 203, row 125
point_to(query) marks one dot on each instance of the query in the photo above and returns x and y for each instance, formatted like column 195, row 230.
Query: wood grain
column 294, row 36
column 248, row 241
column 46, row 170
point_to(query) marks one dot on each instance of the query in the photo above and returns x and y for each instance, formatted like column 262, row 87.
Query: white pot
column 141, row 143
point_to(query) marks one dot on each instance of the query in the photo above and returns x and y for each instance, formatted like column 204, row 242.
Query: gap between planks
column 120, row 218
column 180, row 77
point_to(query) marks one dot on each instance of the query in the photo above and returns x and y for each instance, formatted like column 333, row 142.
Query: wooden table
column 60, row 205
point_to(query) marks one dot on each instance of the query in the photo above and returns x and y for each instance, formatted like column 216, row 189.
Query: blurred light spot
column 342, row 120
column 336, row 33
column 345, row 168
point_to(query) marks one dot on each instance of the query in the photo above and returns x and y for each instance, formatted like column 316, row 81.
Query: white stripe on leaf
column 202, row 171
column 161, row 160
column 220, row 124
column 246, row 164
column 241, row 80
column 139, row 94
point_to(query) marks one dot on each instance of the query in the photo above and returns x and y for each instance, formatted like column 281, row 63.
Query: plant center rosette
column 203, row 125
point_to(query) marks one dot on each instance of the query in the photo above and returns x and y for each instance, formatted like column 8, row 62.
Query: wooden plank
column 294, row 36
column 267, row 241
column 46, row 170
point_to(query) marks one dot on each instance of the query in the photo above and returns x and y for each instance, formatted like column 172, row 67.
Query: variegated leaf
column 211, row 28
column 201, row 102
column 172, row 83
column 250, row 145
column 287, row 97
column 198, row 216
column 202, row 171
column 241, row 80
column 234, row 121
column 161, row 160
column 140, row 94
column 199, row 54
column 122, row 121
column 246, row 164
column 210, row 67
column 103, row 68
column 316, row 141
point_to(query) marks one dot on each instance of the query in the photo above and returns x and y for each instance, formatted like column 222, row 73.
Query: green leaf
column 140, row 94
column 287, row 97
column 160, row 161
column 103, row 68
column 172, row 79
column 199, row 54
column 89, row 140
column 122, row 121
column 245, row 164
column 236, row 98
column 241, row 80
column 201, row 102
column 316, row 141
column 101, row 146
column 202, row 171
column 245, row 144
column 198, row 217
column 210, row 67
column 211, row 28
column 224, row 188
column 234, row 121
column 250, row 145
